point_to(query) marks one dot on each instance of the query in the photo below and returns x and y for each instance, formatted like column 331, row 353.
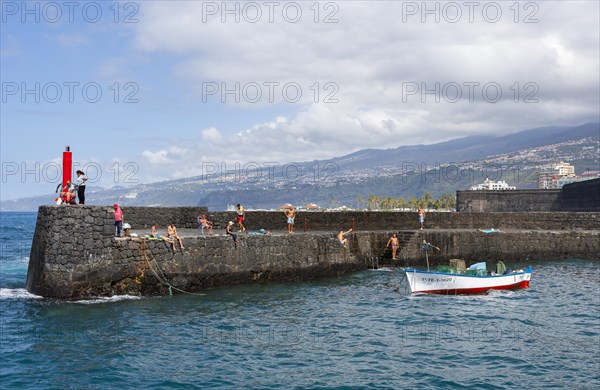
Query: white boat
column 475, row 280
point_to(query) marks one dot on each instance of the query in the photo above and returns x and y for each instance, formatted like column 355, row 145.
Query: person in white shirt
column 80, row 182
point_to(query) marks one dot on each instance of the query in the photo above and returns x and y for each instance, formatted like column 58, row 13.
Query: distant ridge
column 364, row 172
column 468, row 148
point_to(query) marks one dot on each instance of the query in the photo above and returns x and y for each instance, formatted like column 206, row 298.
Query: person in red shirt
column 118, row 219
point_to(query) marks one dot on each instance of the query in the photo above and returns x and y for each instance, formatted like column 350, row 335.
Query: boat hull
column 427, row 282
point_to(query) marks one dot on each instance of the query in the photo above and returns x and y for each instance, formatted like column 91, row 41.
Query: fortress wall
column 579, row 196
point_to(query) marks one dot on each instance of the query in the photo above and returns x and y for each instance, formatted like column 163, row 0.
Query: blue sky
column 369, row 61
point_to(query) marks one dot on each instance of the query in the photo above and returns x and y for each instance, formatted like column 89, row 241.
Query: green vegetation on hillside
column 374, row 202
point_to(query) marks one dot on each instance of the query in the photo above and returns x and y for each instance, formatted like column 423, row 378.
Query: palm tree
column 447, row 201
column 413, row 203
column 373, row 202
column 359, row 200
column 401, row 203
column 426, row 200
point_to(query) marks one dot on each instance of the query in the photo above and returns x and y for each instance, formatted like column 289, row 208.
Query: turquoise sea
column 358, row 331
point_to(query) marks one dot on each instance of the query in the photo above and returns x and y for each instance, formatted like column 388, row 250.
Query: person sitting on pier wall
column 154, row 233
column 229, row 232
column 205, row 224
column 126, row 230
column 172, row 234
column 342, row 239
column 68, row 193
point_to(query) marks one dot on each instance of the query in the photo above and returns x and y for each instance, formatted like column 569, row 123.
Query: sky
column 145, row 91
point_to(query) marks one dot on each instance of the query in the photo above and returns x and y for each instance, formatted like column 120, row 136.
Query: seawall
column 574, row 197
column 75, row 255
column 145, row 217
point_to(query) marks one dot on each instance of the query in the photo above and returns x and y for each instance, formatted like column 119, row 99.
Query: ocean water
column 358, row 331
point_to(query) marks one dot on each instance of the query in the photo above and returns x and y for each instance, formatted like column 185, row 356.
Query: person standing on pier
column 394, row 241
column 118, row 219
column 421, row 217
column 80, row 183
column 290, row 213
column 241, row 216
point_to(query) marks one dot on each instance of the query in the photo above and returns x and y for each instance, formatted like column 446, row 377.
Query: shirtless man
column 290, row 214
column 172, row 234
column 343, row 241
column 154, row 233
column 394, row 241
column 421, row 217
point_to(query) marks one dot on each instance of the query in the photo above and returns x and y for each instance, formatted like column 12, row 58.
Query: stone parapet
column 387, row 220
column 579, row 196
column 145, row 217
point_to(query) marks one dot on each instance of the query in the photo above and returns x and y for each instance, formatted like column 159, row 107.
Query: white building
column 565, row 169
column 493, row 185
column 549, row 175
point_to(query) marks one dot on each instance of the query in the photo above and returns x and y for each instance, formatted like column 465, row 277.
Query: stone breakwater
column 75, row 255
column 579, row 196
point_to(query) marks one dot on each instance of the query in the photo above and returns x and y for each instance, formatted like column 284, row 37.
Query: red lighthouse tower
column 67, row 168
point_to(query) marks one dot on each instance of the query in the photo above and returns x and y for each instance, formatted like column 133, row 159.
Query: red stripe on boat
column 477, row 290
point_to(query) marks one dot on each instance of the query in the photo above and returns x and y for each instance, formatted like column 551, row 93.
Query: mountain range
column 406, row 171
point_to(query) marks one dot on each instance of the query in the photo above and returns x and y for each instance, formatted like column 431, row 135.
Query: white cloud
column 371, row 56
column 158, row 157
column 212, row 135
column 177, row 151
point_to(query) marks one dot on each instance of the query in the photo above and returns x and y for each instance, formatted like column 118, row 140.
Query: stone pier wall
column 508, row 200
column 579, row 196
column 521, row 247
column 75, row 255
column 144, row 217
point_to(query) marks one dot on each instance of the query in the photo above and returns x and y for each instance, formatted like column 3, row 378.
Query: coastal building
column 311, row 207
column 492, row 185
column 577, row 178
column 285, row 206
column 549, row 175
